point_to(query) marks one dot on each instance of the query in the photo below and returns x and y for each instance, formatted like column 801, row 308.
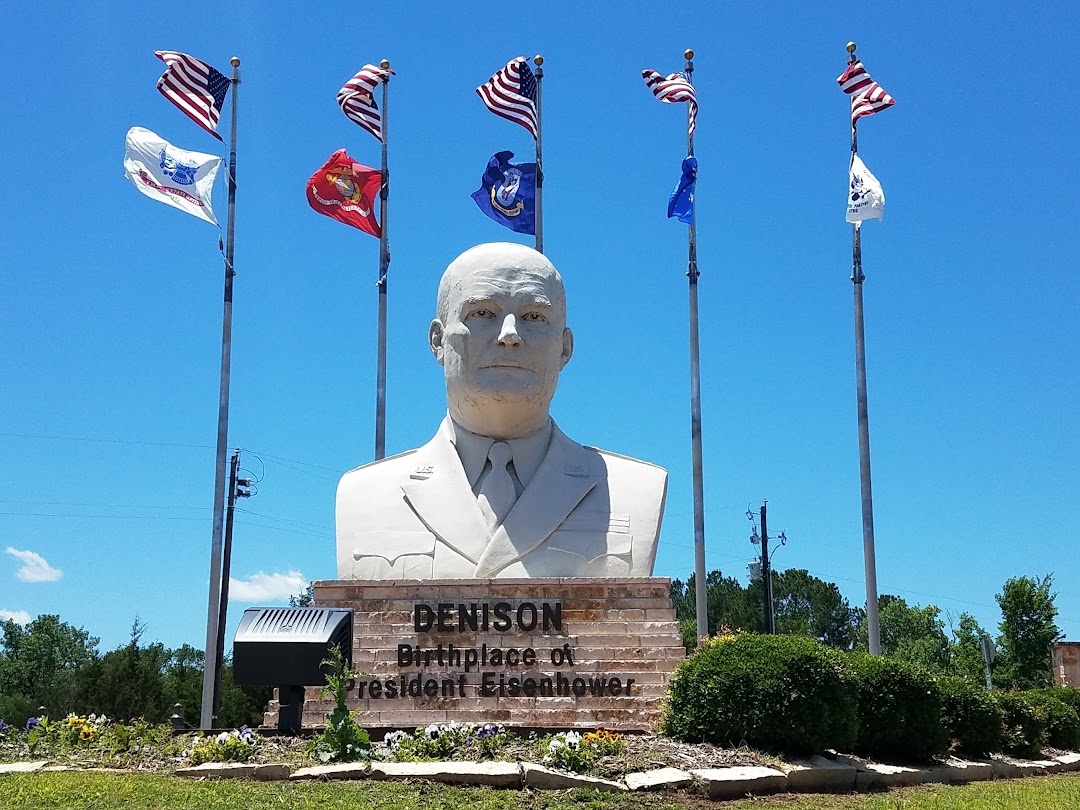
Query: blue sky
column 111, row 303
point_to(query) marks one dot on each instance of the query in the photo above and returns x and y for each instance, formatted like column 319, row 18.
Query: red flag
column 346, row 191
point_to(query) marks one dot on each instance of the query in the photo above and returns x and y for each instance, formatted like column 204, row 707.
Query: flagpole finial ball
column 538, row 60
column 235, row 61
column 688, row 53
column 851, row 47
column 385, row 64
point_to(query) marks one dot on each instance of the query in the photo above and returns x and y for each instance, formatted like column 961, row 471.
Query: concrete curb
column 816, row 774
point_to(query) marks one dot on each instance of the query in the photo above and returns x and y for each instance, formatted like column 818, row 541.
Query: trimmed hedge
column 971, row 718
column 1062, row 721
column 780, row 693
column 899, row 710
column 1023, row 723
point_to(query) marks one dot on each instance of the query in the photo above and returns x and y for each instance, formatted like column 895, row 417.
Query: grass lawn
column 86, row 791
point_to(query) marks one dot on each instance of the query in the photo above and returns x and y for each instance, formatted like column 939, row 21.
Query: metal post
column 869, row 554
column 384, row 267
column 226, row 568
column 766, row 573
column 211, row 655
column 700, row 590
column 538, row 60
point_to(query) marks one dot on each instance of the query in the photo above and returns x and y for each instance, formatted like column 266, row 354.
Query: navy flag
column 681, row 202
column 508, row 193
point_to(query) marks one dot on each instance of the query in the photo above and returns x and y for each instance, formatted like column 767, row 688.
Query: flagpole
column 700, row 591
column 211, row 673
column 869, row 555
column 538, row 60
column 384, row 266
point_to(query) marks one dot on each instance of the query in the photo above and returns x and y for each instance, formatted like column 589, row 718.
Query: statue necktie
column 497, row 494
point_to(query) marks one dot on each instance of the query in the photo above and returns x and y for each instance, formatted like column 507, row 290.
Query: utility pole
column 766, row 564
column 237, row 489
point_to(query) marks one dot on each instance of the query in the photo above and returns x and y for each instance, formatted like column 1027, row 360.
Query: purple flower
column 487, row 730
column 3, row 725
column 247, row 735
column 32, row 722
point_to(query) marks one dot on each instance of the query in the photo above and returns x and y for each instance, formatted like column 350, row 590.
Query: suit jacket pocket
column 590, row 545
column 393, row 545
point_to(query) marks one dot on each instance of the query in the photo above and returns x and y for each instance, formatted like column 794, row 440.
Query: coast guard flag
column 507, row 193
column 681, row 202
column 176, row 177
column 866, row 199
column 346, row 191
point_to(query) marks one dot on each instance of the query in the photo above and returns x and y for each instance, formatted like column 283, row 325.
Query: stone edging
column 814, row 775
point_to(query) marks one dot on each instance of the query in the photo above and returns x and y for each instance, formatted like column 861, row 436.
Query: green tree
column 39, row 664
column 127, row 682
column 910, row 633
column 727, row 606
column 807, row 606
column 305, row 598
column 965, row 650
column 1027, row 628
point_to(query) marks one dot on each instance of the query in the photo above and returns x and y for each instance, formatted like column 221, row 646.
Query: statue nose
column 508, row 335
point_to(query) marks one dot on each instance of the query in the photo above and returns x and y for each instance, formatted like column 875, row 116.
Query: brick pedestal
column 527, row 653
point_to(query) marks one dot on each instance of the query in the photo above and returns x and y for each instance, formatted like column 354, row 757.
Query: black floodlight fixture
column 285, row 647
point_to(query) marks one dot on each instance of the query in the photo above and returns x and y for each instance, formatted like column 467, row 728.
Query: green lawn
column 84, row 791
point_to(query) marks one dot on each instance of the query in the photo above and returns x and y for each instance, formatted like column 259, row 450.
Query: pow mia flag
column 507, row 193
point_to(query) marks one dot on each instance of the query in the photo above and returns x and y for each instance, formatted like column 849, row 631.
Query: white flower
column 222, row 738
column 432, row 732
column 555, row 745
column 394, row 739
column 573, row 740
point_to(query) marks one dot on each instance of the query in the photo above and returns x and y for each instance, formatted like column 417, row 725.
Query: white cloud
column 17, row 616
column 34, row 567
column 262, row 587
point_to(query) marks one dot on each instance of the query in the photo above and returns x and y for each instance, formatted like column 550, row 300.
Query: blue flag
column 681, row 202
column 508, row 193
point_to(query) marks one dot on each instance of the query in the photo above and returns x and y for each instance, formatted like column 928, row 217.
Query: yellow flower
column 86, row 733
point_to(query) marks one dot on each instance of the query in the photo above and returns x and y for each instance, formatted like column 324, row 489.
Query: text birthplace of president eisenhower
column 441, row 669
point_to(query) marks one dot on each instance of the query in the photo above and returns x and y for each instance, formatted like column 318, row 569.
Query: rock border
column 817, row 774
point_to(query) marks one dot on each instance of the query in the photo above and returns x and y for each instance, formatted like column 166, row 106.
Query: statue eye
column 482, row 313
column 534, row 316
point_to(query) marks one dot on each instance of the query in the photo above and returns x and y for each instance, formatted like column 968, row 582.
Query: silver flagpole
column 384, row 266
column 700, row 591
column 538, row 60
column 211, row 674
column 869, row 556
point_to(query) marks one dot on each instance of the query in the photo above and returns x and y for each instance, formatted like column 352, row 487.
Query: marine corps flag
column 507, row 193
column 346, row 191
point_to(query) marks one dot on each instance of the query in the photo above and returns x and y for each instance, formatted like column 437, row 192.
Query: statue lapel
column 563, row 479
column 439, row 492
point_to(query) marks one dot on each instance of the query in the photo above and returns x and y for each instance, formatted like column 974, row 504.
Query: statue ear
column 567, row 347
column 435, row 339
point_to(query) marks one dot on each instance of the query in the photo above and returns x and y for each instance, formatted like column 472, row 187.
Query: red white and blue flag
column 671, row 89
column 867, row 96
column 357, row 98
column 194, row 87
column 511, row 94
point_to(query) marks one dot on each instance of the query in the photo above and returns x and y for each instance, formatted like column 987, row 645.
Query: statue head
column 500, row 335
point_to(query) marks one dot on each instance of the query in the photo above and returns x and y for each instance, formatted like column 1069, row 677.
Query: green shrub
column 1023, row 723
column 970, row 716
column 1062, row 721
column 899, row 709
column 1069, row 695
column 781, row 693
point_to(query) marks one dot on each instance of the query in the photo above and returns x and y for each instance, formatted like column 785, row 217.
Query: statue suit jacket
column 585, row 513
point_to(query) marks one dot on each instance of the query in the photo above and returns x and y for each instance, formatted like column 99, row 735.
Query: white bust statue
column 500, row 491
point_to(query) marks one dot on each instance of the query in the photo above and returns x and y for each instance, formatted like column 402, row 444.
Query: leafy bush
column 899, row 709
column 783, row 693
column 971, row 718
column 1062, row 721
column 228, row 746
column 1023, row 723
column 1069, row 695
column 343, row 739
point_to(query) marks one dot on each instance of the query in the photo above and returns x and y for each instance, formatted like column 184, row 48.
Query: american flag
column 673, row 88
column 867, row 96
column 194, row 87
column 511, row 94
column 357, row 98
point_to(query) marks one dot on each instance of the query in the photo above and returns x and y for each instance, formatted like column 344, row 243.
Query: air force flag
column 176, row 177
column 681, row 202
column 866, row 199
column 508, row 193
